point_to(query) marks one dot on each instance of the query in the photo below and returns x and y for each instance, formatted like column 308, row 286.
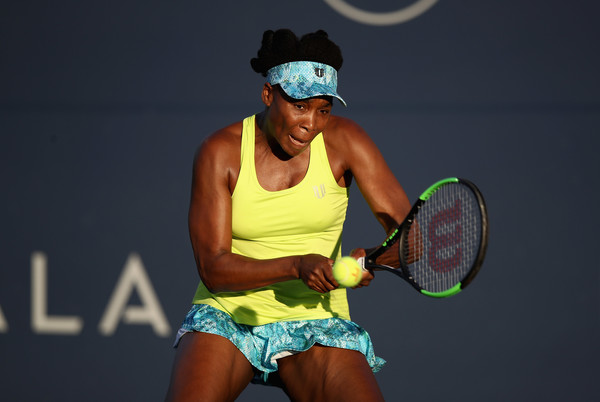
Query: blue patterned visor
column 305, row 79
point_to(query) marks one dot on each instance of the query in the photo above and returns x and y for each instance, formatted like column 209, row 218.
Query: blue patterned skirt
column 264, row 344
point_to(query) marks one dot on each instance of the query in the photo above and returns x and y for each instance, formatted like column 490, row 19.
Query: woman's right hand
column 316, row 272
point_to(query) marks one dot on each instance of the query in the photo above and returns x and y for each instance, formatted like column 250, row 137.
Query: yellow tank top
column 306, row 218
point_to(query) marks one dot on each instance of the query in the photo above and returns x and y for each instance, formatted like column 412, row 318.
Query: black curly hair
column 283, row 46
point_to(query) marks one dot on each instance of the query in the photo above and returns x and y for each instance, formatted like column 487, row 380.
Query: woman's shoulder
column 222, row 147
column 224, row 137
column 343, row 132
column 342, row 124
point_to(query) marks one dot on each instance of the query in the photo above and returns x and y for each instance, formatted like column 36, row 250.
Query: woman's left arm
column 354, row 155
column 353, row 151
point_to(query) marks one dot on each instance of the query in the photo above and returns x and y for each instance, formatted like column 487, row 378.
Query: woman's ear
column 267, row 94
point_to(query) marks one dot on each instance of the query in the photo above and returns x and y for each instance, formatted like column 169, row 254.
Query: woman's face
column 294, row 123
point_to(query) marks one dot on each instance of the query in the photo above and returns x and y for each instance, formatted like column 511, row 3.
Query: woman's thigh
column 208, row 367
column 328, row 374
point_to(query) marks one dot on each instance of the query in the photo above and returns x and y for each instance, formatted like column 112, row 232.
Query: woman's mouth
column 297, row 142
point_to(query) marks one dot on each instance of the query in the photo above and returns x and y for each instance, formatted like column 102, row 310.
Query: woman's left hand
column 368, row 274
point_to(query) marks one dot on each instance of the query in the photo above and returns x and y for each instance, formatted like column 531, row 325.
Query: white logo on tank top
column 319, row 190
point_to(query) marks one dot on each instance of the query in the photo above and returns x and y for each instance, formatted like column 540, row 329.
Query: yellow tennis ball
column 347, row 272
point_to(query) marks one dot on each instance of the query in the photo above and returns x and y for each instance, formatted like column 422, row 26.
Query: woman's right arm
column 216, row 167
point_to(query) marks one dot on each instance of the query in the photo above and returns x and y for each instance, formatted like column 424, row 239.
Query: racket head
column 443, row 241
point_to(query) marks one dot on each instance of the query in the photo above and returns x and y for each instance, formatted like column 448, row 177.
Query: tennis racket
column 440, row 246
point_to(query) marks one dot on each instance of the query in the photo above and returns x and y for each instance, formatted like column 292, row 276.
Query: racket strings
column 443, row 242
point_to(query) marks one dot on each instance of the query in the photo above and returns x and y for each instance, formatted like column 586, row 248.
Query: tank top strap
column 247, row 147
column 319, row 161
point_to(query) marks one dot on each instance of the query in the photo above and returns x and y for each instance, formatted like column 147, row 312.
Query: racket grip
column 361, row 263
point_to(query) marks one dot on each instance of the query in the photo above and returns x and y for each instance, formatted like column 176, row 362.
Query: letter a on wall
column 134, row 276
column 3, row 322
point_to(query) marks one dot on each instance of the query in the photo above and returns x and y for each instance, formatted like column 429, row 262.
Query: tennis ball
column 347, row 272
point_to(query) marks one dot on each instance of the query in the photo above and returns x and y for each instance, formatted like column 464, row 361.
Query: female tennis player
column 268, row 204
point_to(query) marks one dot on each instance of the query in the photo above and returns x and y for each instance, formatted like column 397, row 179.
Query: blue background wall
column 103, row 103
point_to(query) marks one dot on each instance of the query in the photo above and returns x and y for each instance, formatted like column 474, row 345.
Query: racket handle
column 361, row 263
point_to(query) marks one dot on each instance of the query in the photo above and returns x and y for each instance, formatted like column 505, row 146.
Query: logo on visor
column 407, row 13
column 319, row 72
